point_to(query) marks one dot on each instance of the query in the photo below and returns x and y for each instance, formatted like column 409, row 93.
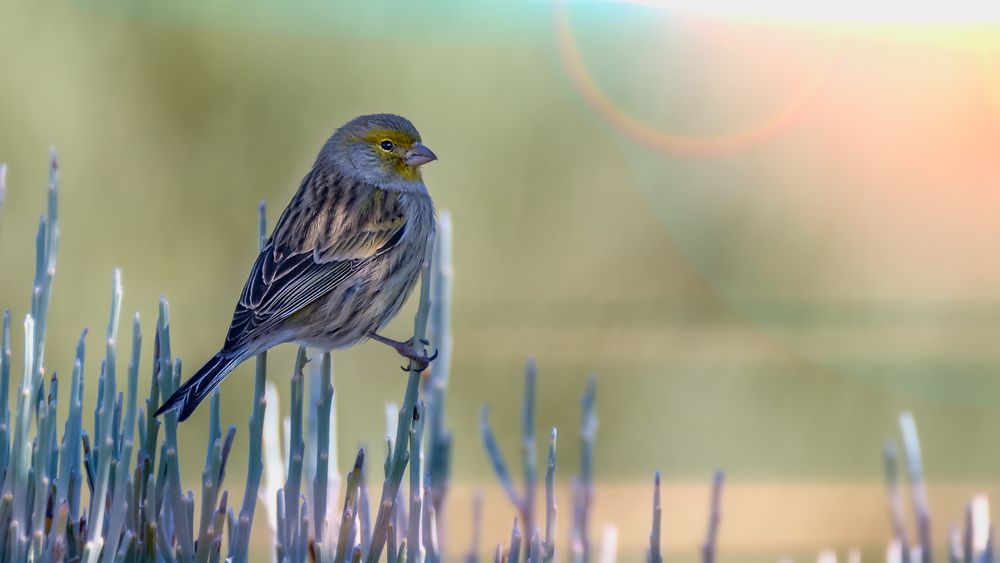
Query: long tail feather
column 186, row 399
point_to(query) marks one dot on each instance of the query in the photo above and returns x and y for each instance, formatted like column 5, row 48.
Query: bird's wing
column 320, row 241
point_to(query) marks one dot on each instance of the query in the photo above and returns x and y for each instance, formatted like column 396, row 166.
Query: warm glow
column 885, row 11
column 788, row 109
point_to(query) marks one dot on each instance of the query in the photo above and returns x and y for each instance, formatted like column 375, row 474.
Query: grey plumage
column 343, row 256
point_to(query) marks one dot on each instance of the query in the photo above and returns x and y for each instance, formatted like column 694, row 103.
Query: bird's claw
column 419, row 361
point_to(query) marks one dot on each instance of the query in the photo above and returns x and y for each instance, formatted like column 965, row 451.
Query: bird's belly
column 362, row 305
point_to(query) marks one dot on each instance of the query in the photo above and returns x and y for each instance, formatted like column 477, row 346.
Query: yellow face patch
column 392, row 145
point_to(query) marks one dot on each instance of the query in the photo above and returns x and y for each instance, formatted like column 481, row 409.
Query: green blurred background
column 766, row 238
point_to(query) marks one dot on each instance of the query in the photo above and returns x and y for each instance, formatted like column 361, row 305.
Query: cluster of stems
column 113, row 493
column 970, row 542
column 537, row 546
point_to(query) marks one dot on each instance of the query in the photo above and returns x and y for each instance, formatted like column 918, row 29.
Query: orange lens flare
column 787, row 114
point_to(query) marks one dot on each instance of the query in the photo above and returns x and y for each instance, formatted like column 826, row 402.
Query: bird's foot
column 419, row 360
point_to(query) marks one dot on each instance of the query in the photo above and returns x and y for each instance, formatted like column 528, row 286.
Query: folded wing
column 307, row 260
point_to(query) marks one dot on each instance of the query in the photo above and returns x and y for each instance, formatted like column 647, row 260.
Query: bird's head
column 382, row 149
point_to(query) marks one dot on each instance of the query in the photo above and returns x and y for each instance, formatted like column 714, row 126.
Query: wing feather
column 306, row 260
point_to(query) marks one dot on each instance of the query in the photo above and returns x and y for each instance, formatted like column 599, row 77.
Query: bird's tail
column 186, row 399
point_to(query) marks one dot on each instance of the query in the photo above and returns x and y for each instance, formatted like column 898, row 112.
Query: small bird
column 342, row 258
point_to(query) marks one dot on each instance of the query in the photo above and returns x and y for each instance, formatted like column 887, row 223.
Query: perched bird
column 342, row 258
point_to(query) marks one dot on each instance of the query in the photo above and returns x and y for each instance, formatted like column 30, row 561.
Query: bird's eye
column 387, row 145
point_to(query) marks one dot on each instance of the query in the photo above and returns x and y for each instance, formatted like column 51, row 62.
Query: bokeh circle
column 787, row 113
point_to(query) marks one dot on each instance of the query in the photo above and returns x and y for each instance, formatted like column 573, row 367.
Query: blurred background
column 766, row 229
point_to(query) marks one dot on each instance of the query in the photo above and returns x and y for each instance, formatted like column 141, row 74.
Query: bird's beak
column 419, row 155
